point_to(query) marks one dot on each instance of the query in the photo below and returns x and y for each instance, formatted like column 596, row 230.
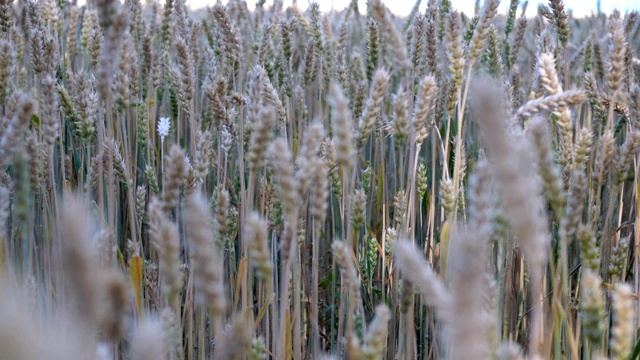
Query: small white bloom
column 164, row 125
column 227, row 139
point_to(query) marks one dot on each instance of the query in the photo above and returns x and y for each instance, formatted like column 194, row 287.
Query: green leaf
column 35, row 120
column 326, row 281
column 636, row 351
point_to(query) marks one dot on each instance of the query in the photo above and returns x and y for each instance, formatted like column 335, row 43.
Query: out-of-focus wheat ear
column 172, row 331
column 89, row 21
column 150, row 174
column 592, row 307
column 7, row 59
column 373, row 46
column 342, row 124
column 72, row 33
column 228, row 30
column 120, row 167
column 606, row 156
column 552, row 183
column 424, row 103
column 6, row 16
column 345, row 262
column 206, row 266
column 358, row 208
column 470, row 321
column 582, row 149
column 400, row 207
column 259, row 253
column 414, row 266
column 308, row 73
column 221, row 212
column 36, row 50
column 168, row 243
column 300, row 17
column 236, row 340
column 617, row 52
column 319, row 197
column 375, row 341
column 418, row 22
column 328, row 152
column 493, row 53
column 398, row 48
column 123, row 84
column 113, row 22
column 521, row 28
column 154, row 218
column 204, row 150
column 32, row 148
column 353, row 347
column 400, row 124
column 522, row 201
column 15, row 129
column 286, row 30
column 105, row 243
column 448, row 197
column 456, row 59
column 630, row 66
column 141, row 201
column 406, row 293
column 185, row 63
column 481, row 203
column 623, row 316
column 271, row 97
column 628, row 151
column 374, row 105
column 20, row 338
column 479, row 37
column 96, row 43
column 261, row 135
column 560, row 19
column 114, row 304
column 49, row 112
column 148, row 340
column 165, row 27
column 358, row 90
column 77, row 263
column 86, row 102
column 280, row 158
column 174, row 175
column 191, row 182
column 618, row 260
column 492, row 302
column 589, row 250
column 432, row 39
column 308, row 157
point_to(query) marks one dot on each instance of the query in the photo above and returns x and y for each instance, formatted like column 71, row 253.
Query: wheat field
column 275, row 183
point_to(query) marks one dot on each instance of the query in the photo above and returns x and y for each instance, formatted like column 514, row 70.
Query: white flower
column 163, row 127
column 227, row 139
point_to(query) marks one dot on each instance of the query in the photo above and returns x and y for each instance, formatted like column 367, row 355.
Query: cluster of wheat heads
column 280, row 184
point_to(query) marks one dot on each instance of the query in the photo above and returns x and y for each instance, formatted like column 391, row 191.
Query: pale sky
column 403, row 7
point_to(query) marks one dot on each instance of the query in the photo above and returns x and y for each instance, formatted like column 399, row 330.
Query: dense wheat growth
column 284, row 184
